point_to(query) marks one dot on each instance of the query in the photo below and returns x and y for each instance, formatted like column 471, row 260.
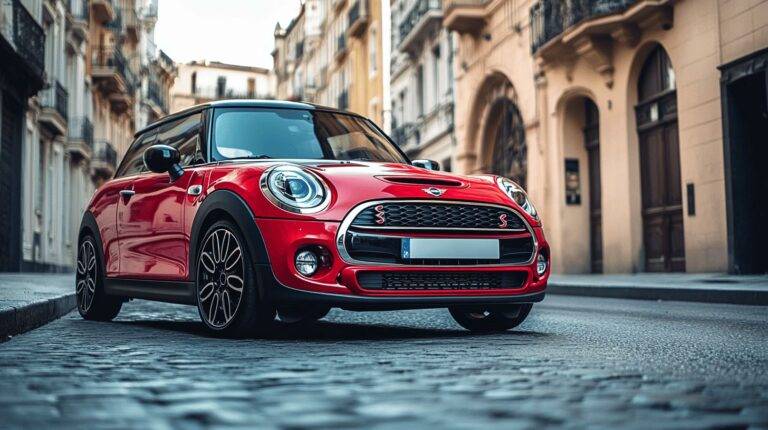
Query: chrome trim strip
column 347, row 222
column 495, row 230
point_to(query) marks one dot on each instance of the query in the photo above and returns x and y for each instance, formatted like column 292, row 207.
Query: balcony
column 113, row 77
column 79, row 13
column 588, row 28
column 342, row 101
column 80, row 139
column 341, row 47
column 465, row 16
column 423, row 16
column 103, row 10
column 22, row 46
column 104, row 159
column 54, row 102
column 131, row 23
column 358, row 18
column 166, row 63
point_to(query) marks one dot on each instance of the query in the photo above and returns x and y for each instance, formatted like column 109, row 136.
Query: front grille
column 438, row 216
column 410, row 281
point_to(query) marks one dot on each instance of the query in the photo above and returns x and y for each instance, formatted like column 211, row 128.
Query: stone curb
column 20, row 319
column 689, row 294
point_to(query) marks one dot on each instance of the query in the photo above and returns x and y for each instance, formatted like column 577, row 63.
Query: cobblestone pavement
column 576, row 362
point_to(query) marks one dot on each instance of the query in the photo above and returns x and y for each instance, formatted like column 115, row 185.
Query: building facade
column 422, row 81
column 635, row 125
column 77, row 124
column 333, row 54
column 203, row 81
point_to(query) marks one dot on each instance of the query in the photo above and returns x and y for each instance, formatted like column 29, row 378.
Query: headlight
column 516, row 193
column 294, row 189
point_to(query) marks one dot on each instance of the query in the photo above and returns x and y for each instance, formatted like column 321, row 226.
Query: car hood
column 355, row 182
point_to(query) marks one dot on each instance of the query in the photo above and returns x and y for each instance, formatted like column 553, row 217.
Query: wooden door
column 660, row 166
column 592, row 144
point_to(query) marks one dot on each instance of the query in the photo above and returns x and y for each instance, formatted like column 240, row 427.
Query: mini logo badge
column 503, row 221
column 380, row 220
column 437, row 192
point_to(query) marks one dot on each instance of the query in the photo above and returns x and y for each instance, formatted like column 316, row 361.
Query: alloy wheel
column 220, row 275
column 87, row 270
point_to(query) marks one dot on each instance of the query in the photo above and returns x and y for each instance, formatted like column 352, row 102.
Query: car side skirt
column 161, row 291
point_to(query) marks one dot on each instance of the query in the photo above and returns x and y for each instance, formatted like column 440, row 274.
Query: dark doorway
column 746, row 151
column 11, row 119
column 507, row 134
column 656, row 115
column 592, row 144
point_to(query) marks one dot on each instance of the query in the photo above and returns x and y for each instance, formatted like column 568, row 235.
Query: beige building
column 637, row 126
column 203, row 81
column 333, row 54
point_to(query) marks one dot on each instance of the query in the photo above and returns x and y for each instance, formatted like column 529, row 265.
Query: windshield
column 298, row 134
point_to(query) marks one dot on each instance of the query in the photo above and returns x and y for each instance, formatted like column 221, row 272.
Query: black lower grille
column 441, row 280
column 438, row 216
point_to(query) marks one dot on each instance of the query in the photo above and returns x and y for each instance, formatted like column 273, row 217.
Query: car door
column 153, row 243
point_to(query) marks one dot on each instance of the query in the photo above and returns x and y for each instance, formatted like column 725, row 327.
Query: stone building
column 637, row 126
column 203, row 81
column 333, row 54
column 79, row 104
column 422, row 81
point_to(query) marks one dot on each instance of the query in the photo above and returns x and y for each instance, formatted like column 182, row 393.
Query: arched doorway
column 506, row 134
column 656, row 114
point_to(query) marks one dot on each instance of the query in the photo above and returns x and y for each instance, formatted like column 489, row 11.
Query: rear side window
column 184, row 135
column 133, row 162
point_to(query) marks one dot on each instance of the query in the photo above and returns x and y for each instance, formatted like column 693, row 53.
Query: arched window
column 507, row 135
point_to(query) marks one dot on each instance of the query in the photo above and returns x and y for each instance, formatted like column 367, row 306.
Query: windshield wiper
column 249, row 157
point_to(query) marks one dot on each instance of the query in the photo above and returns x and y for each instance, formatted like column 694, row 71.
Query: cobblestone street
column 576, row 361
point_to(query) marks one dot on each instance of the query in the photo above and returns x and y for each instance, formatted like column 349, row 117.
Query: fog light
column 541, row 264
column 306, row 263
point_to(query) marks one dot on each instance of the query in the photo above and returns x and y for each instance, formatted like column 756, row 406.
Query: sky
column 230, row 31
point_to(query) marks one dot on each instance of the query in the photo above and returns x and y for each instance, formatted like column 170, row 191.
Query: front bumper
column 338, row 285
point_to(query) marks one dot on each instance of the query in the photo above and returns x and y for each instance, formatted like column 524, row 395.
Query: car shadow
column 331, row 331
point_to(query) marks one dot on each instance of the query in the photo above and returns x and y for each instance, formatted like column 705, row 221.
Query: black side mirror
column 163, row 158
column 426, row 164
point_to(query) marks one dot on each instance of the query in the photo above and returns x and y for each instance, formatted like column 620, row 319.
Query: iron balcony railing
column 357, row 11
column 156, row 95
column 419, row 9
column 56, row 97
column 25, row 35
column 81, row 129
column 550, row 18
column 129, row 17
column 103, row 152
column 112, row 57
column 117, row 25
column 80, row 10
column 343, row 100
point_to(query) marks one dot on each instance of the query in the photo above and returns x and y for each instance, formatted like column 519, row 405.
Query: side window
column 133, row 162
column 184, row 135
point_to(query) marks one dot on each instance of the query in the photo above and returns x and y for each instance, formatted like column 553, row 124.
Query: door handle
column 127, row 194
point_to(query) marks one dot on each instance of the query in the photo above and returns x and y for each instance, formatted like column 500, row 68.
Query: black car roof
column 240, row 103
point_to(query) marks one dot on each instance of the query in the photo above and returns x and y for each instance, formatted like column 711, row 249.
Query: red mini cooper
column 252, row 209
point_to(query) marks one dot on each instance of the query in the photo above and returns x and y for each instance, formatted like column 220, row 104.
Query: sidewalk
column 690, row 287
column 29, row 300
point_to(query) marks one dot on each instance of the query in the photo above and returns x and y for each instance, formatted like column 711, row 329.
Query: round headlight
column 517, row 194
column 294, row 189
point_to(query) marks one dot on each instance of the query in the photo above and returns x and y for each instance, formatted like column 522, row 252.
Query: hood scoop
column 422, row 181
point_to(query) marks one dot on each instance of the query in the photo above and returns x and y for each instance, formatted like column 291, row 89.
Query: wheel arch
column 225, row 204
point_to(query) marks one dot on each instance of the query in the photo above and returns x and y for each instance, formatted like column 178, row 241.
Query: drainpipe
column 386, row 70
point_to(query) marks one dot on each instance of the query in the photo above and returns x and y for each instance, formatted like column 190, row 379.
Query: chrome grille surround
column 350, row 217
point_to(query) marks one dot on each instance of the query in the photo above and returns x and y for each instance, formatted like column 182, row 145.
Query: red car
column 248, row 209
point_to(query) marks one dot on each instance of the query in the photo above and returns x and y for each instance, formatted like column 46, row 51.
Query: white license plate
column 450, row 248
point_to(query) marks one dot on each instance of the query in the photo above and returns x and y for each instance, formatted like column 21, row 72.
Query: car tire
column 490, row 318
column 92, row 302
column 226, row 284
column 299, row 315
